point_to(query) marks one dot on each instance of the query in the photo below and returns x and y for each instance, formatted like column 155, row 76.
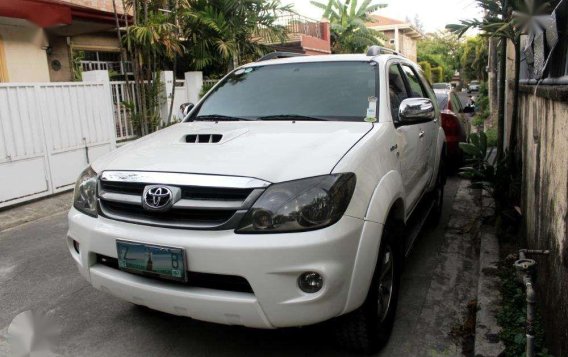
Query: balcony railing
column 116, row 66
column 299, row 25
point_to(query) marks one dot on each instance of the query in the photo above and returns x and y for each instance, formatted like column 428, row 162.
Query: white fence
column 49, row 132
column 122, row 119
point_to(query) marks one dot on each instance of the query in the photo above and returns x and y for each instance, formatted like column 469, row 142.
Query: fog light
column 310, row 282
column 76, row 246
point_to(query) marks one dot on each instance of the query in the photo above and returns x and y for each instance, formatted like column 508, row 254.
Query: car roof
column 322, row 58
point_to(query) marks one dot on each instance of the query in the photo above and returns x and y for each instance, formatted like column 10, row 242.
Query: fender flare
column 387, row 202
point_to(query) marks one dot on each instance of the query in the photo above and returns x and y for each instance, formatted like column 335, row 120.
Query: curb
column 487, row 329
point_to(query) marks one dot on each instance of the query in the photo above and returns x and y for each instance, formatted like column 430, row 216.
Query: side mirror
column 415, row 110
column 185, row 108
column 468, row 109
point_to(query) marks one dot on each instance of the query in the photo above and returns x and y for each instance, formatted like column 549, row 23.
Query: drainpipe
column 526, row 270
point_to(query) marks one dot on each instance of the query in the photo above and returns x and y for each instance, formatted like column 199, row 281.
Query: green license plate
column 152, row 260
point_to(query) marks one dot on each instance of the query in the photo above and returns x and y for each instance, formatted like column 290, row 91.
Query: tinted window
column 329, row 90
column 397, row 90
column 442, row 100
column 416, row 90
column 456, row 104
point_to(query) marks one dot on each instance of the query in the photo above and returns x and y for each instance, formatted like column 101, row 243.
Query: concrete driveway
column 37, row 273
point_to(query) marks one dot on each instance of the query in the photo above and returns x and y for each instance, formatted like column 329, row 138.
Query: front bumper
column 271, row 263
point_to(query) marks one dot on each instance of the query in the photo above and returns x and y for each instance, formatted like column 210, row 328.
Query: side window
column 416, row 90
column 397, row 90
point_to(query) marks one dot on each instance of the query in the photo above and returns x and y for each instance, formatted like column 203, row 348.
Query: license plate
column 152, row 260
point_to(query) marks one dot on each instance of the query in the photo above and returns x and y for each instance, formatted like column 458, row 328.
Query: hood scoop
column 203, row 138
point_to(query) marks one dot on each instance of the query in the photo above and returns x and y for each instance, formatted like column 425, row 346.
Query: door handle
column 421, row 134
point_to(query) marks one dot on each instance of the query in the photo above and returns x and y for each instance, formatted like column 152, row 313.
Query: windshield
column 338, row 91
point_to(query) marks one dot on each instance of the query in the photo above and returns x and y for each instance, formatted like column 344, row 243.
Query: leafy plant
column 487, row 173
column 349, row 32
column 230, row 32
column 77, row 57
column 427, row 68
column 206, row 88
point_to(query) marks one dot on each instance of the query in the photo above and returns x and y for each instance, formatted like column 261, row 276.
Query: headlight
column 300, row 205
column 85, row 195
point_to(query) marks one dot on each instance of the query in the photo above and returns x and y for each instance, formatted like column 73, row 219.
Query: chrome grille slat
column 200, row 207
column 181, row 179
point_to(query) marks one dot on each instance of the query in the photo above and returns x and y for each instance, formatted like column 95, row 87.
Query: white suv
column 289, row 196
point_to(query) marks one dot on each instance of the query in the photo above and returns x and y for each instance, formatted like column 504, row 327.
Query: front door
column 408, row 138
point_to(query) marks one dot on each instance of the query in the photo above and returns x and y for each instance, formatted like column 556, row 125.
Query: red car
column 455, row 121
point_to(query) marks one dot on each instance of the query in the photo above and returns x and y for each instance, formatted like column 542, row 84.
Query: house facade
column 401, row 36
column 49, row 40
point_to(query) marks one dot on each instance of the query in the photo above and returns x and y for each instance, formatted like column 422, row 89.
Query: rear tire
column 368, row 328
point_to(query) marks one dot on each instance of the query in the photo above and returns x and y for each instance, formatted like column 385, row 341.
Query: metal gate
column 49, row 132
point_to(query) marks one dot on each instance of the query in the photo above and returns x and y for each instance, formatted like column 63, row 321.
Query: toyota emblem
column 157, row 198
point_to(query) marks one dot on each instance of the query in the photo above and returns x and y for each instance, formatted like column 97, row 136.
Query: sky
column 434, row 14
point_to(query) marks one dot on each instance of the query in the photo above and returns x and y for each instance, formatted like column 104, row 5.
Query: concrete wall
column 544, row 125
column 26, row 61
column 103, row 5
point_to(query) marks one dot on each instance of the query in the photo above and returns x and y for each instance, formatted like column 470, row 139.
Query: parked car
column 456, row 124
column 442, row 86
column 473, row 87
column 286, row 197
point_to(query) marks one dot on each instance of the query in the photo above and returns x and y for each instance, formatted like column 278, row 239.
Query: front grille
column 195, row 279
column 197, row 203
column 194, row 192
column 173, row 215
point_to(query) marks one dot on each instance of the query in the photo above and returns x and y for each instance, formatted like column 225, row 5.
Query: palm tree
column 151, row 40
column 349, row 34
column 230, row 31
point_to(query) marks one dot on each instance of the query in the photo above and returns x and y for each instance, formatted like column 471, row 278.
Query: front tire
column 368, row 328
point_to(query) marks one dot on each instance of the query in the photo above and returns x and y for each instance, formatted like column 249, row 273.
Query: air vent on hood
column 203, row 138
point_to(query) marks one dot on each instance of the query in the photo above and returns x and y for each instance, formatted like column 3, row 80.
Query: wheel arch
column 387, row 208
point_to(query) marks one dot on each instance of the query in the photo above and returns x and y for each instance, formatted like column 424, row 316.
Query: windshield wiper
column 291, row 117
column 215, row 117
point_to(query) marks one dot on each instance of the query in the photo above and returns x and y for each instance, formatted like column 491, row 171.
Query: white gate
column 49, row 132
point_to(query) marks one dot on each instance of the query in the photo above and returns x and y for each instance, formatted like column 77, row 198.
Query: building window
column 100, row 60
column 3, row 66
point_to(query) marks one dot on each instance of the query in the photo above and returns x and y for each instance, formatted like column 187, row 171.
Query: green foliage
column 441, row 49
column 206, row 88
column 491, row 137
column 77, row 57
column 437, row 74
column 483, row 112
column 512, row 316
column 427, row 68
column 230, row 32
column 474, row 59
column 349, row 34
column 491, row 175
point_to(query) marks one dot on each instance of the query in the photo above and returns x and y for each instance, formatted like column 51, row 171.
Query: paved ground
column 37, row 273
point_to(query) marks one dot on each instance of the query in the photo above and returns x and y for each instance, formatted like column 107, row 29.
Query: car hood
column 272, row 151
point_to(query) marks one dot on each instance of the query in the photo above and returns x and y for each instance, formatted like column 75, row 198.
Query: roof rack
column 277, row 54
column 379, row 50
